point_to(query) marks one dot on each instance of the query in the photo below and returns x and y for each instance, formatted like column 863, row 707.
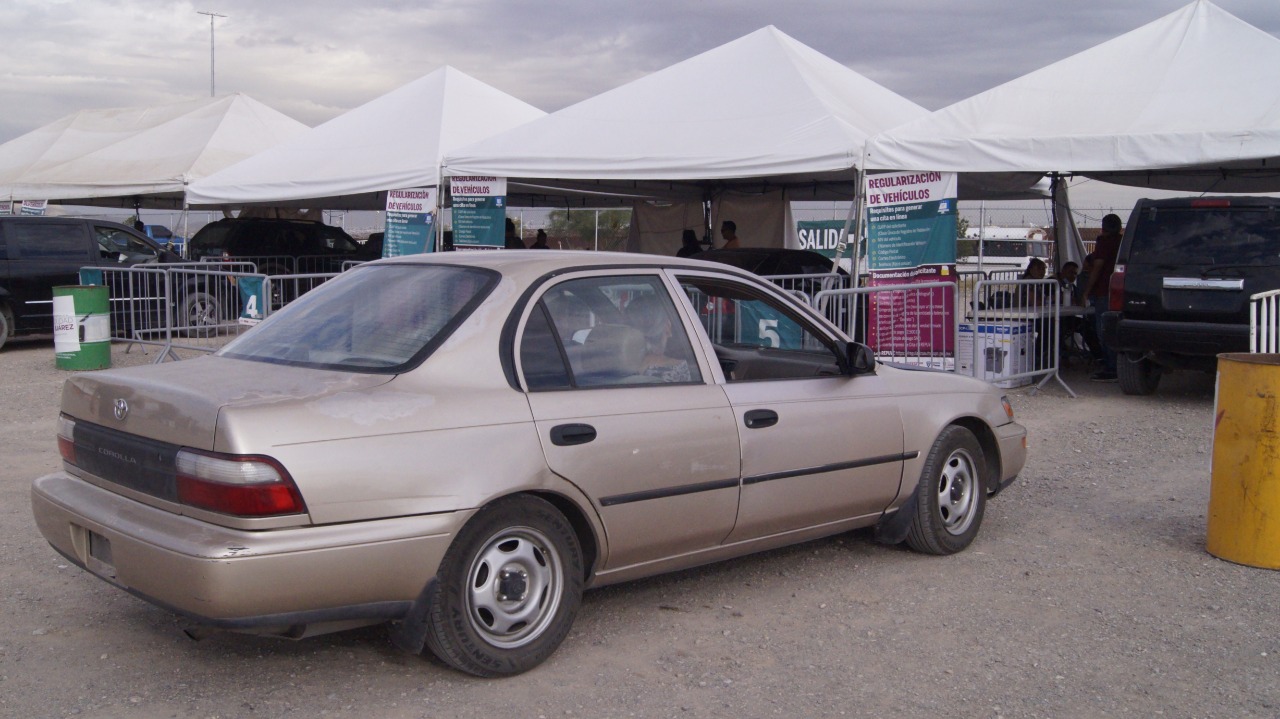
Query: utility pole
column 211, row 15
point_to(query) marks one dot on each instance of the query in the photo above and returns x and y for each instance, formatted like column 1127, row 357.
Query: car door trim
column 664, row 492
column 865, row 462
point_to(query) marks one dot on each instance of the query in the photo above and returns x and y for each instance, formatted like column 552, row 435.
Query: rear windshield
column 380, row 319
column 1206, row 236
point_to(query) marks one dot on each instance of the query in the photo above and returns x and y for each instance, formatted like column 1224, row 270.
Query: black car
column 278, row 246
column 40, row 253
column 1184, row 274
column 767, row 261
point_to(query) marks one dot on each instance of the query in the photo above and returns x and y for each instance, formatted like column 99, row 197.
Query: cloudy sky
column 315, row 59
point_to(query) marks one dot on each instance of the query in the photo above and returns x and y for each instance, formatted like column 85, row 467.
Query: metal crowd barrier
column 1264, row 322
column 907, row 324
column 806, row 287
column 1012, row 333
column 283, row 289
column 185, row 306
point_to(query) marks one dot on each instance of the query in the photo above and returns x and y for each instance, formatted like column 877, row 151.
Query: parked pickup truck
column 165, row 237
column 40, row 253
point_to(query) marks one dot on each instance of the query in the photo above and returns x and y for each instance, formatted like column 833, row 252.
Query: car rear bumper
column 1191, row 339
column 243, row 580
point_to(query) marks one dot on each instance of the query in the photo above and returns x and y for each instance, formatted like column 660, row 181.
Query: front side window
column 756, row 336
column 378, row 319
column 606, row 331
column 114, row 242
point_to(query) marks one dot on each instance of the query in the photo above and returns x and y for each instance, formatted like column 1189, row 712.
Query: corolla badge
column 121, row 408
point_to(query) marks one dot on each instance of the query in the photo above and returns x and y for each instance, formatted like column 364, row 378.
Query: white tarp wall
column 1188, row 102
column 147, row 155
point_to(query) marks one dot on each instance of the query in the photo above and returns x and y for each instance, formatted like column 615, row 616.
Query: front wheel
column 199, row 315
column 951, row 496
column 507, row 590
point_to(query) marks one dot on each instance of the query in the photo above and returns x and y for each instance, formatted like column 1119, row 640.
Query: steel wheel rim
column 202, row 313
column 514, row 587
column 958, row 492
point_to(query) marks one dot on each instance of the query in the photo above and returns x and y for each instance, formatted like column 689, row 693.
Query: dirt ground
column 1088, row 593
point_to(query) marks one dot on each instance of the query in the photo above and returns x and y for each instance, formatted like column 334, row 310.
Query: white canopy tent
column 762, row 115
column 392, row 142
column 138, row 156
column 1188, row 102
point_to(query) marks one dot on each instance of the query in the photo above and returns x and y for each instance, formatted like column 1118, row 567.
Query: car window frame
column 831, row 337
column 532, row 302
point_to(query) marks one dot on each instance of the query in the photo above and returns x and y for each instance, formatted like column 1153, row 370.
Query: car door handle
column 760, row 418
column 565, row 435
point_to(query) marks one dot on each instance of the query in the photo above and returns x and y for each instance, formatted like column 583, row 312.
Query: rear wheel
column 1139, row 377
column 6, row 323
column 951, row 496
column 507, row 590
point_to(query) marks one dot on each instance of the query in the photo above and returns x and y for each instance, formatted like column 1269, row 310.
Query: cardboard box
column 1004, row 349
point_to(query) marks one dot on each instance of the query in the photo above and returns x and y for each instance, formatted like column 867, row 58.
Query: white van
column 1005, row 248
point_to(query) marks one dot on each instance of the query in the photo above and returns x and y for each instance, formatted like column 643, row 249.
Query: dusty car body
column 461, row 443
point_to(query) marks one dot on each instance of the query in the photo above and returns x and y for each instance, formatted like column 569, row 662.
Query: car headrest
column 613, row 351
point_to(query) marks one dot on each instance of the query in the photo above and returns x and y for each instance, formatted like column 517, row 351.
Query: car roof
column 531, row 264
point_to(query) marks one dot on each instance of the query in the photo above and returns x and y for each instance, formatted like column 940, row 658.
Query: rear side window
column 48, row 241
column 211, row 240
column 1206, row 236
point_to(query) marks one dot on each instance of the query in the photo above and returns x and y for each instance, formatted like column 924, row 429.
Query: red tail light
column 1218, row 202
column 239, row 485
column 66, row 438
column 1115, row 290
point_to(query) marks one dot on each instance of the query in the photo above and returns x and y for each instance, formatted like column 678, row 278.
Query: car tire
column 200, row 315
column 6, row 323
column 1138, row 377
column 951, row 496
column 507, row 590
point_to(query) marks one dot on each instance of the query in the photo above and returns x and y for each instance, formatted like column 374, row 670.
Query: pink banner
column 912, row 322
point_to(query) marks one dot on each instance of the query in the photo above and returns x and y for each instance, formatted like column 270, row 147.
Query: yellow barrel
column 1244, row 495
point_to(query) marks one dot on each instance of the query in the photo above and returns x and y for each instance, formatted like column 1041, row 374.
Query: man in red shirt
column 1100, row 264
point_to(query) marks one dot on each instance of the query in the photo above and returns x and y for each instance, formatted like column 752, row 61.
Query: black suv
column 1184, row 274
column 40, row 253
column 278, row 246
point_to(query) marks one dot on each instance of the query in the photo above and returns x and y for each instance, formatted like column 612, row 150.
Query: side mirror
column 859, row 359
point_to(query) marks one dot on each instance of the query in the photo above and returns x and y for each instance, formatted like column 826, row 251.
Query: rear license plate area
column 100, row 560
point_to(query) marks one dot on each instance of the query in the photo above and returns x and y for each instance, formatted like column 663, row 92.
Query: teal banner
column 410, row 226
column 821, row 236
column 911, row 235
column 479, row 221
column 253, row 299
column 408, row 233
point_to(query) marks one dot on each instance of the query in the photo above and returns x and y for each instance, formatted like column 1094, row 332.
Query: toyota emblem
column 121, row 408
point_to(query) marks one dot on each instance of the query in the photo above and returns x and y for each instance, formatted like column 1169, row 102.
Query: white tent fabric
column 761, row 106
column 392, row 142
column 1188, row 102
column 132, row 155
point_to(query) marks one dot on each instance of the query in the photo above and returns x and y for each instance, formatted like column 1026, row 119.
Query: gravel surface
column 1088, row 593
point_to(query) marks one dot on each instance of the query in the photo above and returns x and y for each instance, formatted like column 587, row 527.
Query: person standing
column 689, row 245
column 729, row 232
column 540, row 243
column 512, row 240
column 1101, row 263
